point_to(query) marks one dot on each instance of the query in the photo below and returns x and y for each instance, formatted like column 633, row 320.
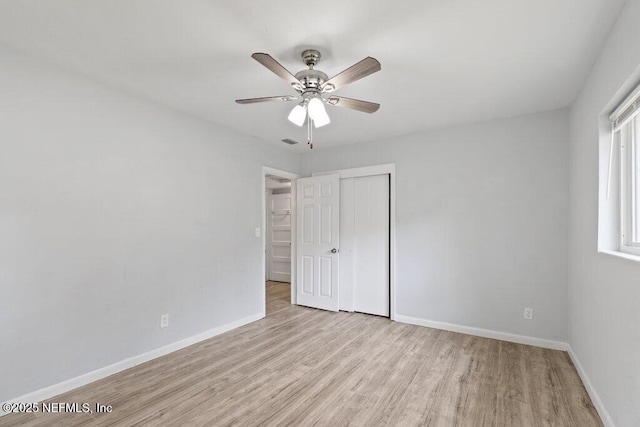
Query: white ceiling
column 444, row 62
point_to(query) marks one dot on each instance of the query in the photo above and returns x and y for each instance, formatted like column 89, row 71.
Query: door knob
column 334, row 251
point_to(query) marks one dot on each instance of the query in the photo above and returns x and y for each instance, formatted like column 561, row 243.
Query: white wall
column 114, row 211
column 604, row 291
column 481, row 221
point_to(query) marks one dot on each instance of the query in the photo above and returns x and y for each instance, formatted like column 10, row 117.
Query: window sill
column 624, row 255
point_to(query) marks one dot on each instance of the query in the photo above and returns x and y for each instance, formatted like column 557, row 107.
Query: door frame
column 267, row 230
column 266, row 170
column 384, row 169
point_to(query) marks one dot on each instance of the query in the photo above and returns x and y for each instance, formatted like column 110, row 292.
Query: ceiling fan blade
column 266, row 99
column 357, row 71
column 273, row 65
column 354, row 104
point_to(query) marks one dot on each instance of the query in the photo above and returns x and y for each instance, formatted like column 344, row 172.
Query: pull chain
column 309, row 133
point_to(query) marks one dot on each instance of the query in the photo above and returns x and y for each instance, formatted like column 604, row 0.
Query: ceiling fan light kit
column 311, row 84
column 317, row 112
column 298, row 115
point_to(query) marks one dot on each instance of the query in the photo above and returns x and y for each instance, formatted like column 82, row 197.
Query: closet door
column 370, row 255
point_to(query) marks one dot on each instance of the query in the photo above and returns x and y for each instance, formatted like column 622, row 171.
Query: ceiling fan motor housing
column 311, row 79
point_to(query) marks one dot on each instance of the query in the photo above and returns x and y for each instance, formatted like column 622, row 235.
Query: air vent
column 289, row 141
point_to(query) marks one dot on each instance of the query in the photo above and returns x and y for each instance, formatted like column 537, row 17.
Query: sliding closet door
column 370, row 245
column 371, row 242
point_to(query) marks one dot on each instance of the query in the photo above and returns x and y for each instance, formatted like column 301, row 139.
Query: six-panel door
column 318, row 241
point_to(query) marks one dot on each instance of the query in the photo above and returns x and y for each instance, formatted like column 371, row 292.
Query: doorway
column 278, row 214
column 279, row 222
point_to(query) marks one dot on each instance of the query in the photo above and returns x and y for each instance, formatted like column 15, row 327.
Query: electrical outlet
column 164, row 320
column 528, row 313
column 258, row 231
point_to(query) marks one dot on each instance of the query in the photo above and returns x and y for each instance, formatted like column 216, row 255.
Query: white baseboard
column 79, row 381
column 593, row 394
column 487, row 333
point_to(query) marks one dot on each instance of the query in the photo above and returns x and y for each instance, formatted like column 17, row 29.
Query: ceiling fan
column 312, row 84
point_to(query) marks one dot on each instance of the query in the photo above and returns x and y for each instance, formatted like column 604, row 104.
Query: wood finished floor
column 301, row 366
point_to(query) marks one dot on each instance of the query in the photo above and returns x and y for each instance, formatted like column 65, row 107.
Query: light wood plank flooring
column 301, row 366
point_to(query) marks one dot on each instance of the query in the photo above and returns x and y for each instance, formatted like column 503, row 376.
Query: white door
column 364, row 244
column 279, row 237
column 317, row 201
column 371, row 245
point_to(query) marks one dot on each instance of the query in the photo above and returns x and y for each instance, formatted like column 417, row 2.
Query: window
column 626, row 126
